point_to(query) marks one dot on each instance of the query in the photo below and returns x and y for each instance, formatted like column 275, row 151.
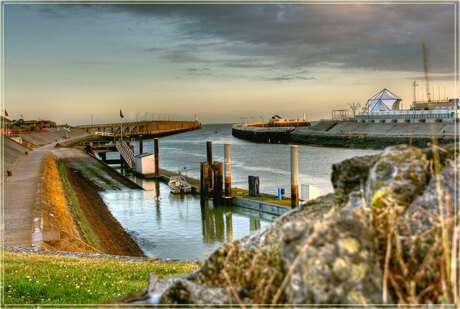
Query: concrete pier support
column 228, row 171
column 294, row 176
column 157, row 158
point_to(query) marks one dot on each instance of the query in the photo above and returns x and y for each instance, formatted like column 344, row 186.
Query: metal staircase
column 126, row 153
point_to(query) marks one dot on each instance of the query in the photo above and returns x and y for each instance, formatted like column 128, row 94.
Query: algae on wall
column 85, row 227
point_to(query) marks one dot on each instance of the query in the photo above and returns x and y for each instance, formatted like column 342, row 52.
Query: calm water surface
column 174, row 226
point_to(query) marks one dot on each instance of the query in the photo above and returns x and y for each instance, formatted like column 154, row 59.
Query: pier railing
column 126, row 153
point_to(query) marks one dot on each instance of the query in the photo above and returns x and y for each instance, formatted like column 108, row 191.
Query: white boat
column 179, row 185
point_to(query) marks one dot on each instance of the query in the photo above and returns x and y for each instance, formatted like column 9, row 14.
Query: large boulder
column 398, row 174
column 439, row 197
column 349, row 175
column 333, row 261
column 327, row 253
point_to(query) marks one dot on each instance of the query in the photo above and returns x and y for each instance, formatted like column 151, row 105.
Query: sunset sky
column 68, row 62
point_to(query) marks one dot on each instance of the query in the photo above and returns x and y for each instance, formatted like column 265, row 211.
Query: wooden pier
column 148, row 129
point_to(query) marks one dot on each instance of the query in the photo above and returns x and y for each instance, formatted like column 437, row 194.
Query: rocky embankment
column 384, row 236
column 353, row 134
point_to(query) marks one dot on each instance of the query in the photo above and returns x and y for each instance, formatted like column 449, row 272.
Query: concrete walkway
column 21, row 194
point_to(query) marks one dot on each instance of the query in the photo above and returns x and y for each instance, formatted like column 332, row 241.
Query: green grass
column 45, row 279
column 85, row 226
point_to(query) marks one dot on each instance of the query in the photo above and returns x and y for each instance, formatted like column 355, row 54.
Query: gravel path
column 15, row 249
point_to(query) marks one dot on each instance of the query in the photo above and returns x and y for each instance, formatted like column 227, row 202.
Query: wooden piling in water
column 294, row 176
column 218, row 173
column 202, row 194
column 209, row 152
column 157, row 158
column 205, row 170
column 141, row 144
column 228, row 172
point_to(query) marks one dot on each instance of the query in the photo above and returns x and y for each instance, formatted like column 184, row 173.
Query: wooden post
column 202, row 185
column 157, row 158
column 209, row 152
column 209, row 179
column 228, row 171
column 141, row 144
column 204, row 182
column 103, row 156
column 294, row 176
column 218, row 169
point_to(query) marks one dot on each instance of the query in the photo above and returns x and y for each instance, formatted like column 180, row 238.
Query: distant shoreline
column 351, row 134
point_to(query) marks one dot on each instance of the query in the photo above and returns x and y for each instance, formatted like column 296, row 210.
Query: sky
column 82, row 63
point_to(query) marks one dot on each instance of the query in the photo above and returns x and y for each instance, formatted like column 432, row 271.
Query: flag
column 6, row 113
column 121, row 114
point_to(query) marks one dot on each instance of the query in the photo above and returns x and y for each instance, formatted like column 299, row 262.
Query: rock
column 399, row 174
column 356, row 199
column 446, row 152
column 349, row 174
column 252, row 266
column 440, row 192
column 325, row 252
column 336, row 261
column 181, row 291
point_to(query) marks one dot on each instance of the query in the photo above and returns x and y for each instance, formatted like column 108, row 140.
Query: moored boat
column 179, row 185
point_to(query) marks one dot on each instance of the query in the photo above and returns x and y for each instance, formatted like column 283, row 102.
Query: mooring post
column 202, row 174
column 209, row 152
column 218, row 169
column 157, row 158
column 141, row 144
column 228, row 171
column 204, row 179
column 294, row 176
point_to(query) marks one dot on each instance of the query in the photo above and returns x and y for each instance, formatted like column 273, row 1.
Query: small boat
column 179, row 185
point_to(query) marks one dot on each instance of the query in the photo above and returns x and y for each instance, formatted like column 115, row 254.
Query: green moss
column 85, row 227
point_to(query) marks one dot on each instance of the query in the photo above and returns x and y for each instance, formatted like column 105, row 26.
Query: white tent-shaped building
column 384, row 101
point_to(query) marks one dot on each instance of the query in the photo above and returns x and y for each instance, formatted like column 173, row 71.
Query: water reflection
column 178, row 226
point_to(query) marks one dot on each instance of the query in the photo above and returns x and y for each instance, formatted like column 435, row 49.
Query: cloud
column 434, row 77
column 287, row 78
column 371, row 36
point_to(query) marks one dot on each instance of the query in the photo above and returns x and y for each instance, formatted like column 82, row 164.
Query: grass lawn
column 46, row 279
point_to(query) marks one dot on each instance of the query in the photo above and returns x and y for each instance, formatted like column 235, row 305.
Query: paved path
column 20, row 195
